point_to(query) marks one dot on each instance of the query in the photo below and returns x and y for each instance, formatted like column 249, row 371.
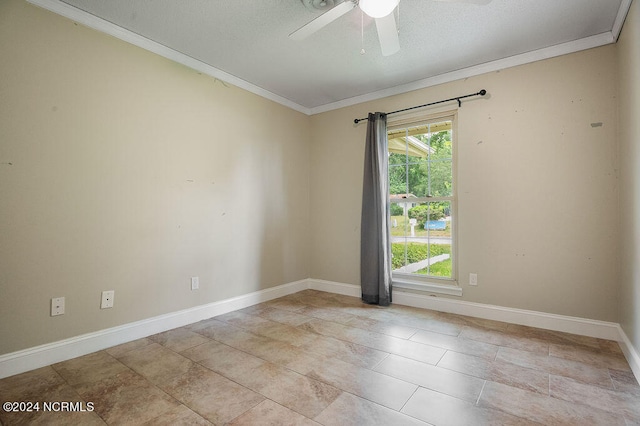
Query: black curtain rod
column 457, row 98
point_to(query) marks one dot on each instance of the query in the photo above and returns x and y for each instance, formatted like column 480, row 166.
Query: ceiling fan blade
column 388, row 34
column 322, row 20
column 480, row 2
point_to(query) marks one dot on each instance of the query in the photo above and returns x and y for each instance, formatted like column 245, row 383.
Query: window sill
column 451, row 290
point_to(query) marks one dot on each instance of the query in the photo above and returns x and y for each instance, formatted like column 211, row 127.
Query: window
column 422, row 201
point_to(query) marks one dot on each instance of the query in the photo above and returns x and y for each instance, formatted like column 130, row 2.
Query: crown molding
column 99, row 24
column 501, row 64
column 625, row 5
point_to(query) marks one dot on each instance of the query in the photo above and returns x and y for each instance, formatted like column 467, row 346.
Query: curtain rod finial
column 482, row 92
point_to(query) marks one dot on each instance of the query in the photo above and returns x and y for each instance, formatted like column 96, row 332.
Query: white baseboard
column 50, row 353
column 40, row 356
column 632, row 355
column 567, row 324
column 581, row 326
column 574, row 325
column 334, row 287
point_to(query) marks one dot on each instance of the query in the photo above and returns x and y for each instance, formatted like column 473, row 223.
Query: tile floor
column 319, row 358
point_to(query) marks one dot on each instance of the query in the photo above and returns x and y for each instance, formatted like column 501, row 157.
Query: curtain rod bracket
column 480, row 93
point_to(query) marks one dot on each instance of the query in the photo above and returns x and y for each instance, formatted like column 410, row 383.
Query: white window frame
column 432, row 284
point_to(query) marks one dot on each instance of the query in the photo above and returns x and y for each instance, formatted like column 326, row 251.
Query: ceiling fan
column 380, row 10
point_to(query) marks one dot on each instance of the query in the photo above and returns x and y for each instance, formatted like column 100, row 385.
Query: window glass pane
column 440, row 160
column 399, row 219
column 421, row 239
column 420, row 166
column 418, row 179
column 397, row 180
column 440, row 178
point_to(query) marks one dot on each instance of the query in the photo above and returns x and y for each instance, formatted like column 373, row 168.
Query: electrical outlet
column 195, row 283
column 473, row 279
column 107, row 299
column 57, row 306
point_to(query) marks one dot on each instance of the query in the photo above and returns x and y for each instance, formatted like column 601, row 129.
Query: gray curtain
column 375, row 252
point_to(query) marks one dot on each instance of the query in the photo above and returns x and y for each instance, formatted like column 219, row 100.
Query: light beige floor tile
column 497, row 371
column 316, row 302
column 377, row 387
column 562, row 367
column 588, row 355
column 457, row 344
column 315, row 353
column 211, row 395
column 269, row 413
column 393, row 314
column 349, row 409
column 179, row 416
column 44, row 392
column 281, row 353
column 119, row 350
column 296, row 336
column 242, row 320
column 300, row 393
column 352, row 353
column 52, row 418
column 561, row 338
column 543, row 409
column 179, row 339
column 254, row 309
column 387, row 328
column 429, row 324
column 412, row 312
column 500, row 338
column 330, row 328
column 428, row 376
column 275, row 351
column 327, row 314
column 381, row 342
column 439, row 409
column 349, row 300
column 363, row 310
column 126, row 398
column 214, row 329
column 625, row 381
column 285, row 317
column 414, row 350
column 471, row 322
column 27, row 386
column 89, row 368
column 594, row 396
column 286, row 304
column 222, row 359
column 237, row 337
column 156, row 363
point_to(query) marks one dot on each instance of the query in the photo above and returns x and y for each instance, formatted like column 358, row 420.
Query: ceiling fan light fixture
column 378, row 8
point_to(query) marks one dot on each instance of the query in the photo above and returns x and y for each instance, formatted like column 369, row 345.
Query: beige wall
column 122, row 170
column 629, row 135
column 129, row 172
column 537, row 185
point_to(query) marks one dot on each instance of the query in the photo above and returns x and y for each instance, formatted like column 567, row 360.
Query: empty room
column 320, row 212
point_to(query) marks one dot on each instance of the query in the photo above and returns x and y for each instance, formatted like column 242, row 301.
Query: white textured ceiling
column 246, row 41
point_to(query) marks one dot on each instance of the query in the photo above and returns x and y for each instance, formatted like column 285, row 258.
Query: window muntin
column 422, row 203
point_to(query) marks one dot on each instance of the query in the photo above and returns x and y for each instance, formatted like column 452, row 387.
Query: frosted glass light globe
column 378, row 8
